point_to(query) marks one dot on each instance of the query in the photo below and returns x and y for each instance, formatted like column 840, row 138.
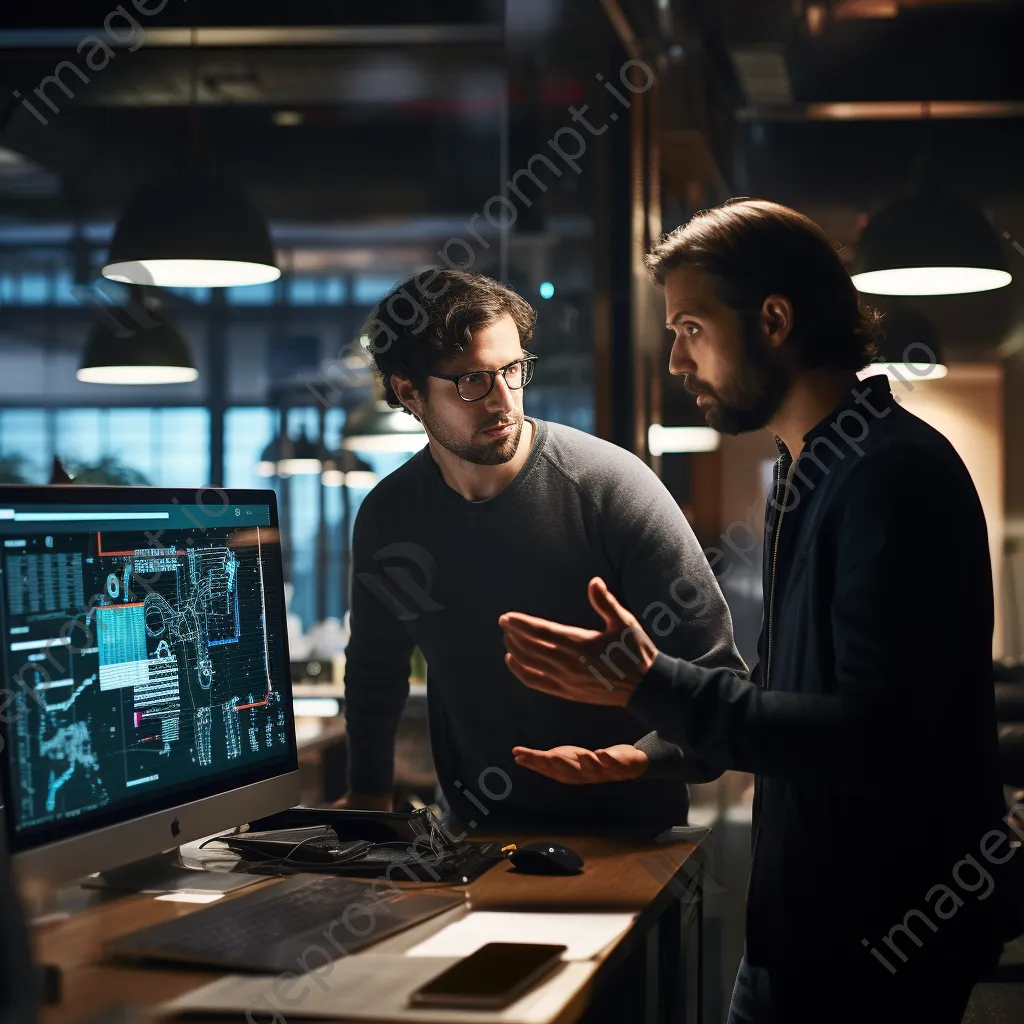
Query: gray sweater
column 434, row 570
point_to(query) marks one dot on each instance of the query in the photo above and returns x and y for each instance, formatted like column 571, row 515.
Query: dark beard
column 487, row 453
column 756, row 391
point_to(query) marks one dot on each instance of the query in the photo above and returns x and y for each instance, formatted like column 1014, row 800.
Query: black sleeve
column 893, row 630
column 667, row 583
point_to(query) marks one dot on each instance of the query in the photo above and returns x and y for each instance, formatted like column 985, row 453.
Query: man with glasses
column 502, row 510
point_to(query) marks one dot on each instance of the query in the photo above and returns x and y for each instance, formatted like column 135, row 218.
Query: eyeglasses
column 480, row 383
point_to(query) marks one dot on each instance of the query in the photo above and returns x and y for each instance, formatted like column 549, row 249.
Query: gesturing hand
column 577, row 766
column 585, row 665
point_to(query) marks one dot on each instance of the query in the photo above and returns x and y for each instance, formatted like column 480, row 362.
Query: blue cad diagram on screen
column 138, row 653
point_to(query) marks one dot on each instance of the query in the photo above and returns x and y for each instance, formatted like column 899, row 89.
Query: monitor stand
column 164, row 873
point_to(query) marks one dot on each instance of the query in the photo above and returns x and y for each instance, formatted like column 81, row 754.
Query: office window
column 368, row 288
column 78, row 436
column 316, row 291
column 247, row 431
column 63, row 294
column 252, row 295
column 168, row 447
column 180, row 447
column 35, row 289
column 23, row 446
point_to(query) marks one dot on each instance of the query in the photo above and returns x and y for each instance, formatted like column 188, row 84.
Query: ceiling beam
column 260, row 36
column 885, row 110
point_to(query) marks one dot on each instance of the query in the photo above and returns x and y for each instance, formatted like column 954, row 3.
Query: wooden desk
column 651, row 976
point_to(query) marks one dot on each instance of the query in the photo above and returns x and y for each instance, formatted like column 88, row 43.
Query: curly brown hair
column 753, row 248
column 432, row 316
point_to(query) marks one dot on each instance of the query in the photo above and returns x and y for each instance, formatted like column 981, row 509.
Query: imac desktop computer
column 146, row 698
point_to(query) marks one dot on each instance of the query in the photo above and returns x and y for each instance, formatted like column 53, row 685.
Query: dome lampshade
column 344, row 468
column 375, row 427
column 191, row 231
column 929, row 244
column 149, row 355
column 285, row 456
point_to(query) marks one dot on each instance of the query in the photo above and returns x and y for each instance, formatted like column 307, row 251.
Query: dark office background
column 369, row 135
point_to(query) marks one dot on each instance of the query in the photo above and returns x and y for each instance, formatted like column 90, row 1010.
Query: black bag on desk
column 409, row 846
column 373, row 826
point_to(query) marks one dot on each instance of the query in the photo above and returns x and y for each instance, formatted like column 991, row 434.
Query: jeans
column 838, row 994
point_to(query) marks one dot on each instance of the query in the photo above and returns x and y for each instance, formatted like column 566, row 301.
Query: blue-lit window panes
column 77, row 436
column 333, row 515
column 305, row 420
column 303, row 520
column 23, row 446
column 181, row 447
column 27, row 289
column 35, row 289
column 303, row 291
column 63, row 291
column 367, row 289
column 130, row 441
column 252, row 294
column 316, row 291
column 334, row 422
column 168, row 447
column 335, row 291
column 247, row 431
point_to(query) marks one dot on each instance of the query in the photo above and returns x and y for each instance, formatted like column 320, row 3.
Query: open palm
column 578, row 766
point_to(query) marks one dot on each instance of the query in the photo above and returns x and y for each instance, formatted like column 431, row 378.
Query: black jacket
column 869, row 719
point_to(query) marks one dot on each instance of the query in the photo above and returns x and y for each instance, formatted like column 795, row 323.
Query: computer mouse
column 546, row 859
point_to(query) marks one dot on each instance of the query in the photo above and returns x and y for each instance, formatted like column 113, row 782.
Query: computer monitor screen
column 144, row 658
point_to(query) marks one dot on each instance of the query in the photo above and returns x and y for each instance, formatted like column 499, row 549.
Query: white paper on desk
column 368, row 987
column 585, row 934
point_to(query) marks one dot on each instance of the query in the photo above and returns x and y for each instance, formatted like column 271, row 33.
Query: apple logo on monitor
column 175, row 828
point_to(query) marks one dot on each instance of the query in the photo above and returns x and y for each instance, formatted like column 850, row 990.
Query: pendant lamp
column 929, row 243
column 191, row 231
column 345, row 469
column 148, row 355
column 194, row 229
column 287, row 457
column 375, row 427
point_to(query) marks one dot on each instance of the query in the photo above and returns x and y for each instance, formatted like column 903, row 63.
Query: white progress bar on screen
column 35, row 645
column 139, row 782
column 78, row 517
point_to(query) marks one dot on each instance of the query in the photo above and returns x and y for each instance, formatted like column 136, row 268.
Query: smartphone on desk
column 494, row 976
